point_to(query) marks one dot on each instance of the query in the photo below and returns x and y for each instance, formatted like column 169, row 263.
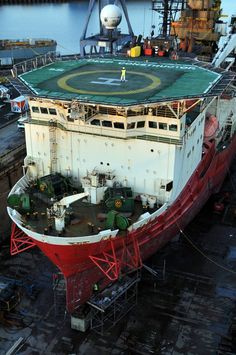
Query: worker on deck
column 174, row 55
column 123, row 72
column 95, row 288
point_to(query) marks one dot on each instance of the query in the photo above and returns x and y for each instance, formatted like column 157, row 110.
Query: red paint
column 19, row 241
column 77, row 261
column 211, row 127
column 148, row 51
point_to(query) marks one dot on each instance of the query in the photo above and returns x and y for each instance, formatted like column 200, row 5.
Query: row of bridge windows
column 133, row 125
column 44, row 110
column 111, row 124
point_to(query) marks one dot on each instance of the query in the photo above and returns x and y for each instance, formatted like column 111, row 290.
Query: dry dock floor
column 191, row 311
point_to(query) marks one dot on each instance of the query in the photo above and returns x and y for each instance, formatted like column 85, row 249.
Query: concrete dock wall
column 10, row 173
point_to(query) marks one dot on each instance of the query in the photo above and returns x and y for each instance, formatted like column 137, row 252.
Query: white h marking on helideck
column 107, row 81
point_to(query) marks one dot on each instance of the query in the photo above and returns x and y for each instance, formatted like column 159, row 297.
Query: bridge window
column 131, row 125
column 140, row 124
column 152, row 124
column 95, row 122
column 52, row 111
column 162, row 125
column 106, row 123
column 44, row 110
column 35, row 109
column 119, row 125
column 173, row 127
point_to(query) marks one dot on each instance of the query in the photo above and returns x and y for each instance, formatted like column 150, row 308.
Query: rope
column 68, row 49
column 34, row 51
column 203, row 254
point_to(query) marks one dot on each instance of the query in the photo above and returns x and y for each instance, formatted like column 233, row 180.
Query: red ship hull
column 76, row 261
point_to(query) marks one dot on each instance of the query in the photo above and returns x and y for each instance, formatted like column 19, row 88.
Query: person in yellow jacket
column 95, row 288
column 123, row 72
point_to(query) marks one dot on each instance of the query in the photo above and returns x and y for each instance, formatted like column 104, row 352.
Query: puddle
column 231, row 253
column 226, row 292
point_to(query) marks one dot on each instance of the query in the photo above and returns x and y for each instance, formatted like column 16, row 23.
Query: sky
column 229, row 7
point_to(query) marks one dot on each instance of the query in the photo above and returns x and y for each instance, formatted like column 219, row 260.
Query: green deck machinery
column 119, row 199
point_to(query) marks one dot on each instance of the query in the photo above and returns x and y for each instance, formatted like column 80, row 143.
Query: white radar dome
column 110, row 16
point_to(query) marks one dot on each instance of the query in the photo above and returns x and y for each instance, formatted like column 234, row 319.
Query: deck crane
column 58, row 210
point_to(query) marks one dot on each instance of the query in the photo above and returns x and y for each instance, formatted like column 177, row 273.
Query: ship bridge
column 79, row 107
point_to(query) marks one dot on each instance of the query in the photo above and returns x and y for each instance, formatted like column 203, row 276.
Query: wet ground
column 189, row 311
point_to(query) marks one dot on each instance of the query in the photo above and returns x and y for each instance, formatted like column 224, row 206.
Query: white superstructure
column 153, row 153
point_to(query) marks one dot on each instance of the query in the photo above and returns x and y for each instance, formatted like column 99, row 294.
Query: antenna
column 108, row 39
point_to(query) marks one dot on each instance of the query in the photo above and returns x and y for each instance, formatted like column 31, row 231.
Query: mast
column 168, row 10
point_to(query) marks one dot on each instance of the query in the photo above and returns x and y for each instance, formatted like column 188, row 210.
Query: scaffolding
column 59, row 292
column 168, row 9
column 112, row 304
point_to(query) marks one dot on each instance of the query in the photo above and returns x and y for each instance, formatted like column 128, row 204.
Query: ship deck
column 97, row 80
column 82, row 218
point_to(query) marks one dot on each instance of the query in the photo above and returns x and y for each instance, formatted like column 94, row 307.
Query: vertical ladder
column 53, row 145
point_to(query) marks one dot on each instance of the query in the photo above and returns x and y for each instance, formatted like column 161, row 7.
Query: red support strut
column 113, row 262
column 19, row 241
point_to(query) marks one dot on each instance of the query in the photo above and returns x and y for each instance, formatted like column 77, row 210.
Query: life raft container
column 211, row 127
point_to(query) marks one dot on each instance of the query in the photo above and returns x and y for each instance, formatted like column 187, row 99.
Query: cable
column 68, row 49
column 203, row 254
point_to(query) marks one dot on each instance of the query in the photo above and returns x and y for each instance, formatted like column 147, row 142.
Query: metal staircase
column 225, row 49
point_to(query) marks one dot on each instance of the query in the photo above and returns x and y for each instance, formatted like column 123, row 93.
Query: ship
column 15, row 50
column 114, row 170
